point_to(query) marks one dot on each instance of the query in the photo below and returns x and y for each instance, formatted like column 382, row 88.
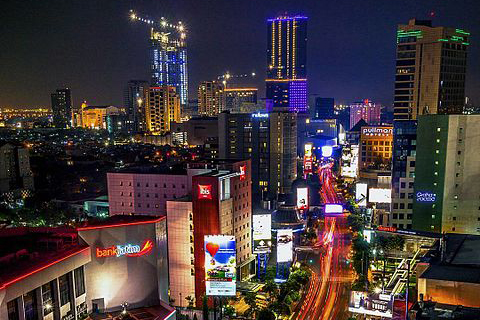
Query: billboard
column 327, row 151
column 423, row 196
column 262, row 233
column 243, row 171
column 284, row 245
column 302, row 198
column 308, row 150
column 331, row 208
column 380, row 195
column 308, row 159
column 374, row 304
column 220, row 264
column 361, row 194
column 205, row 191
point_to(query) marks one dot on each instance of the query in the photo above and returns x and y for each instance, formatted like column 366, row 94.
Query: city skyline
column 101, row 62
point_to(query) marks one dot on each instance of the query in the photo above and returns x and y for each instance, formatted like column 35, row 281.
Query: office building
column 197, row 130
column 163, row 107
column 446, row 188
column 210, row 98
column 366, row 110
column 62, row 108
column 101, row 117
column 286, row 83
column 16, row 177
column 324, row 108
column 169, row 58
column 283, row 151
column 135, row 98
column 65, row 273
column 144, row 190
column 430, row 70
column 375, row 153
column 247, row 136
column 238, row 100
column 403, row 173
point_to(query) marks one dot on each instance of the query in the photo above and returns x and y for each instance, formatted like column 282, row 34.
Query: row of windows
column 401, row 216
column 402, row 206
column 376, row 143
column 155, row 185
column 402, row 226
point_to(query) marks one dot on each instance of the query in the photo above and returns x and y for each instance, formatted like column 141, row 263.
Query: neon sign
column 127, row 250
column 388, row 229
column 204, row 191
column 426, row 196
column 243, row 170
column 260, row 115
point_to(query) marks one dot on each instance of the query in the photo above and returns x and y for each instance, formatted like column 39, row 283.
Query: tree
column 271, row 288
column 251, row 300
column 205, row 308
column 266, row 314
column 229, row 310
column 270, row 273
column 356, row 222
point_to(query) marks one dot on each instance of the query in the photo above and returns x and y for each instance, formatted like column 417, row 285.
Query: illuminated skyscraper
column 286, row 83
column 168, row 55
column 431, row 67
column 163, row 107
column 210, row 98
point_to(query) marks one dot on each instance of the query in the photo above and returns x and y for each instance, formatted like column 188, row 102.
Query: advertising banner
column 262, row 233
column 220, row 264
column 302, row 198
column 374, row 304
column 361, row 194
column 308, row 158
column 332, row 208
column 285, row 245
column 379, row 195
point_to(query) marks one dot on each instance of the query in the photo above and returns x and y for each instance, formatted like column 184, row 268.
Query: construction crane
column 225, row 78
column 162, row 25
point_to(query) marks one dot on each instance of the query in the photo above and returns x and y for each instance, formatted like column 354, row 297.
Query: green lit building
column 430, row 70
column 447, row 174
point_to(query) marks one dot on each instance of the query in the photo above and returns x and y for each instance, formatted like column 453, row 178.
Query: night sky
column 92, row 47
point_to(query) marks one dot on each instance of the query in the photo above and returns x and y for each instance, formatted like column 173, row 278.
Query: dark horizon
column 93, row 48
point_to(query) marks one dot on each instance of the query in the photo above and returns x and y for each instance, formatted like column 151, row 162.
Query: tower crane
column 162, row 25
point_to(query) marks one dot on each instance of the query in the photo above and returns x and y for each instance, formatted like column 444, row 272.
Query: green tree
column 356, row 222
column 229, row 310
column 251, row 300
column 271, row 288
column 270, row 273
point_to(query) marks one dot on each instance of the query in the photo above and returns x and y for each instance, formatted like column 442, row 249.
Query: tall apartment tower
column 430, row 70
column 367, row 110
column 286, row 83
column 430, row 79
column 135, row 98
column 169, row 58
column 283, row 151
column 163, row 107
column 210, row 98
column 62, row 108
column 447, row 188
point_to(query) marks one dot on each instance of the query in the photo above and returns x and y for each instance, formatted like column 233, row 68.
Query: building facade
column 446, row 196
column 286, row 83
column 15, row 172
column 376, row 144
column 210, row 98
column 366, row 110
column 62, row 108
column 134, row 101
column 283, row 151
column 238, row 100
column 430, row 70
column 324, row 108
column 163, row 107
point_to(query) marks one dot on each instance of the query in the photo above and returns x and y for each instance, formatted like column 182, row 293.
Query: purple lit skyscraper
column 286, row 83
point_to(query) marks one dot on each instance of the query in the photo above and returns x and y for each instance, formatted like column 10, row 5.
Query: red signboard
column 205, row 191
column 243, row 171
column 389, row 229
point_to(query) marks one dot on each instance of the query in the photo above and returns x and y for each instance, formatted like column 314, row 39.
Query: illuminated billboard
column 327, row 151
column 379, row 195
column 262, row 233
column 308, row 159
column 349, row 162
column 333, row 208
column 302, row 198
column 361, row 194
column 205, row 191
column 220, row 264
column 284, row 245
column 423, row 196
column 374, row 304
column 308, row 150
column 243, row 171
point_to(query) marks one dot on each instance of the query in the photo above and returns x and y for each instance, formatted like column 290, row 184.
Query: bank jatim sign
column 128, row 250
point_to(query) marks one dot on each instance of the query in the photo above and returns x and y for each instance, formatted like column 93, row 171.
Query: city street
column 328, row 291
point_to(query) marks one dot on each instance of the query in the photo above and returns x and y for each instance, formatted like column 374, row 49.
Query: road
column 327, row 294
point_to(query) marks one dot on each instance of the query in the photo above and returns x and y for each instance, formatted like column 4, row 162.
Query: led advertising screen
column 361, row 194
column 333, row 208
column 379, row 195
column 284, row 245
column 262, row 233
column 308, row 159
column 302, row 198
column 308, row 149
column 374, row 304
column 220, row 264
